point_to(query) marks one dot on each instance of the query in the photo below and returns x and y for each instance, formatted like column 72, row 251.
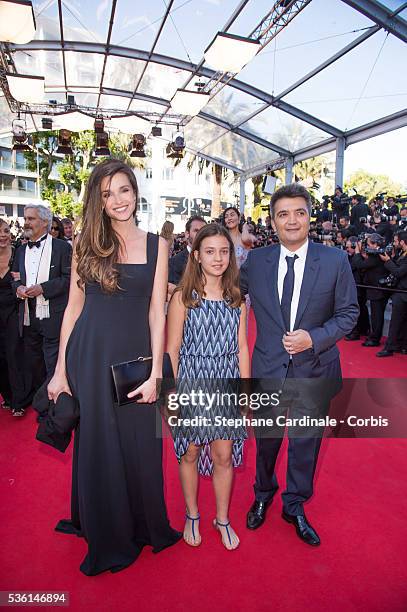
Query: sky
column 385, row 154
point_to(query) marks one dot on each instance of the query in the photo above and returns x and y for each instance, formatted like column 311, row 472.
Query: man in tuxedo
column 41, row 272
column 178, row 262
column 304, row 299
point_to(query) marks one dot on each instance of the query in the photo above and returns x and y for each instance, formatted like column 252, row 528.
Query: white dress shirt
column 32, row 263
column 299, row 265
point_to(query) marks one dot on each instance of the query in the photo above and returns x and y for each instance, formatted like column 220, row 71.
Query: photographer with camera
column 345, row 224
column 367, row 259
column 397, row 338
column 382, row 227
column 340, row 204
column 403, row 219
column 362, row 326
column 391, row 207
column 323, row 214
column 359, row 211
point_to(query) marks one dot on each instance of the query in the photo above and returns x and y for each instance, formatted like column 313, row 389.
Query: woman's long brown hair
column 98, row 247
column 192, row 285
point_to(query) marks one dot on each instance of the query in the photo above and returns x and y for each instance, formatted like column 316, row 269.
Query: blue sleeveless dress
column 208, row 361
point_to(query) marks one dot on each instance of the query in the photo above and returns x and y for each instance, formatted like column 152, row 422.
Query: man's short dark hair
column 375, row 238
column 191, row 220
column 294, row 190
column 66, row 221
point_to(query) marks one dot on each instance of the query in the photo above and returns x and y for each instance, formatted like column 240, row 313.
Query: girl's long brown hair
column 192, row 284
column 97, row 249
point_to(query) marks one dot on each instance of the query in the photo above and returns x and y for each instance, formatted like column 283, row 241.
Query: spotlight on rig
column 20, row 138
column 65, row 142
column 137, row 145
column 99, row 126
column 46, row 123
column 176, row 148
column 102, row 144
column 156, row 131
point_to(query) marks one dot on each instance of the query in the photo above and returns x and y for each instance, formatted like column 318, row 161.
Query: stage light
column 65, row 142
column 99, row 126
column 17, row 22
column 102, row 144
column 189, row 103
column 156, row 131
column 229, row 52
column 46, row 123
column 26, row 88
column 138, row 144
column 176, row 148
column 20, row 138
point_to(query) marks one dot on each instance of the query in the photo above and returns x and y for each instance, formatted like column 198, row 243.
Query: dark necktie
column 288, row 289
column 37, row 243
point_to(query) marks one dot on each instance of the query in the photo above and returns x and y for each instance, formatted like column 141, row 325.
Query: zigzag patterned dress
column 208, row 361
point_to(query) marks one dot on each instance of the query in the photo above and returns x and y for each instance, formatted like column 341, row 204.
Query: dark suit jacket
column 327, row 309
column 56, row 289
column 359, row 210
column 373, row 269
column 398, row 268
column 177, row 265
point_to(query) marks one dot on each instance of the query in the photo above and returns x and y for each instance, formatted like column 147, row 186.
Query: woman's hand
column 58, row 384
column 148, row 392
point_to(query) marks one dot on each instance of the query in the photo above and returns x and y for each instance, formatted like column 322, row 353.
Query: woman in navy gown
column 115, row 313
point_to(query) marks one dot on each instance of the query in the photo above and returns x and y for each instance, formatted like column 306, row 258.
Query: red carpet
column 359, row 509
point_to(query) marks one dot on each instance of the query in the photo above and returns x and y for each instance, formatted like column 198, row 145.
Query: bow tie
column 37, row 243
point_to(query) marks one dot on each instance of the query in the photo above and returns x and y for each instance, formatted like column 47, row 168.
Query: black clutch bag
column 129, row 375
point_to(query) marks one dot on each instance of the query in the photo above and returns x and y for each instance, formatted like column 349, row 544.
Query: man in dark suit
column 178, row 262
column 41, row 271
column 360, row 210
column 397, row 338
column 368, row 261
column 304, row 299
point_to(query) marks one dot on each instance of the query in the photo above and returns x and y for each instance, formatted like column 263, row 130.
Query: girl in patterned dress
column 208, row 348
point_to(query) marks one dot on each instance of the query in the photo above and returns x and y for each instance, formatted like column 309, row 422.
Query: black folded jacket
column 62, row 419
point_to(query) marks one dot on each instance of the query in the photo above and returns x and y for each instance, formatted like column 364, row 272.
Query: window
column 5, row 158
column 6, row 182
column 21, row 162
column 168, row 174
column 26, row 185
column 149, row 173
column 143, row 206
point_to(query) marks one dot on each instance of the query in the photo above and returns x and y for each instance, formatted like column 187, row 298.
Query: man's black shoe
column 304, row 530
column 257, row 514
column 371, row 343
column 384, row 353
column 351, row 337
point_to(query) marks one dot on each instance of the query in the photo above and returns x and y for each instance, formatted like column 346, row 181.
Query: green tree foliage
column 369, row 185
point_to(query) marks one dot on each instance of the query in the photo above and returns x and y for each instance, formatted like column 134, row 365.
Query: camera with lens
column 382, row 250
column 389, row 281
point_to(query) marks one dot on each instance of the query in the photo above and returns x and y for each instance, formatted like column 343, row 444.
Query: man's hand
column 384, row 257
column 297, row 341
column 34, row 291
column 22, row 292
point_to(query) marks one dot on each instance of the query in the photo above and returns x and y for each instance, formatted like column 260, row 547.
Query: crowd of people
column 70, row 313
